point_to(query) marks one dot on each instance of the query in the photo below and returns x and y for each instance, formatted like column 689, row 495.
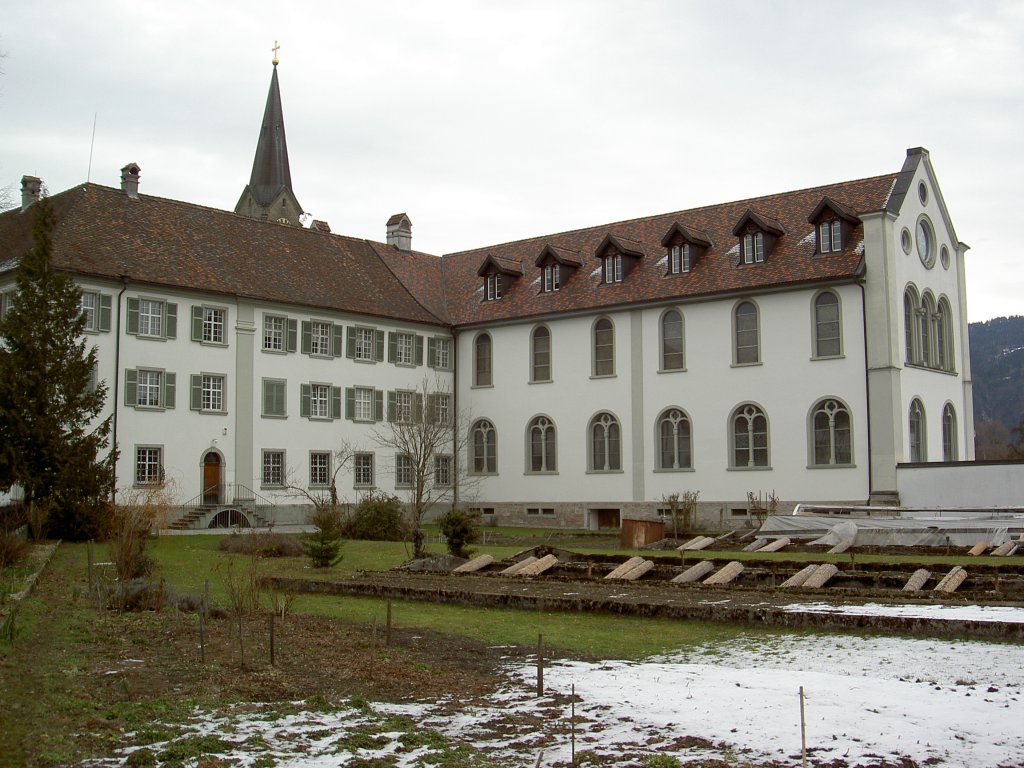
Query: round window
column 925, row 242
column 906, row 241
column 922, row 193
column 944, row 257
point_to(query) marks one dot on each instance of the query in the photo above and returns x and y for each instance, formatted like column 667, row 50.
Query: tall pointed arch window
column 827, row 334
column 925, row 316
column 540, row 354
column 672, row 358
column 916, row 432
column 542, row 445
column 910, row 326
column 604, row 348
column 484, row 446
column 747, row 347
column 749, row 437
column 950, row 449
column 675, row 447
column 832, row 433
column 605, row 444
column 482, row 359
column 943, row 336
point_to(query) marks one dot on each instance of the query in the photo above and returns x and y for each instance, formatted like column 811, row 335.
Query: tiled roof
column 793, row 260
column 164, row 243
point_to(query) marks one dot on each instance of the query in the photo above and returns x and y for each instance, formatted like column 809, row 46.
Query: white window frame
column 272, row 468
column 274, row 336
column 552, row 276
column 152, row 321
column 319, row 401
column 90, row 305
column 756, row 456
column 363, row 346
column 319, row 469
column 405, row 348
column 320, row 339
column 442, row 353
column 153, row 388
column 362, row 470
column 403, row 470
column 748, row 334
column 362, row 403
column 603, row 348
column 212, row 393
column 494, row 286
column 443, row 470
column 149, row 465
column 828, row 434
column 214, row 325
column 605, row 432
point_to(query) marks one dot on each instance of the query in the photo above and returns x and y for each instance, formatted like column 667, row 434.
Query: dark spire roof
column 270, row 170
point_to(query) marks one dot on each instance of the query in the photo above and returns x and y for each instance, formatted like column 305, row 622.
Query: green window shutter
column 304, row 397
column 378, row 352
column 293, row 332
column 432, row 352
column 337, row 339
column 268, row 398
column 171, row 317
column 418, row 355
column 350, row 342
column 378, row 405
column 131, row 387
column 132, row 323
column 196, row 403
column 307, row 336
column 350, row 403
column 392, row 346
column 105, row 312
column 392, row 406
column 417, row 406
column 170, row 386
column 197, row 323
column 335, row 402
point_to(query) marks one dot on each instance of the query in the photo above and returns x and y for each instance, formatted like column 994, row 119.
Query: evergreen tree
column 51, row 443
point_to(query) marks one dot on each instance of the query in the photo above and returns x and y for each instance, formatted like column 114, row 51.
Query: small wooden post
column 89, row 550
column 803, row 731
column 572, row 727
column 206, row 599
column 241, row 643
column 271, row 638
column 540, row 665
column 387, row 631
column 202, row 638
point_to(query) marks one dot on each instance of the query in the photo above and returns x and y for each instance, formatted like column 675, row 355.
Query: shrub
column 323, row 545
column 378, row 517
column 261, row 544
column 13, row 548
column 459, row 528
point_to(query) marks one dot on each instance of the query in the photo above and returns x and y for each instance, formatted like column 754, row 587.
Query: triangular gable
column 494, row 263
column 916, row 157
column 689, row 234
column 765, row 223
column 623, row 245
column 840, row 210
column 559, row 255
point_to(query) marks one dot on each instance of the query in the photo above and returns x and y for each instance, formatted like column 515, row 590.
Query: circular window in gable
column 926, row 242
column 906, row 240
column 944, row 257
column 922, row 193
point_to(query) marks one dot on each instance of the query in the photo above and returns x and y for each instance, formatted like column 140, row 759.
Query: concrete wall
column 964, row 484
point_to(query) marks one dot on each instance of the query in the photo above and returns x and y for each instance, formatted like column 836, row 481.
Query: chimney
column 31, row 187
column 399, row 230
column 130, row 180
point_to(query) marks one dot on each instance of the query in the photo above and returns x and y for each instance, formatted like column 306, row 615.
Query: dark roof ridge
column 567, row 232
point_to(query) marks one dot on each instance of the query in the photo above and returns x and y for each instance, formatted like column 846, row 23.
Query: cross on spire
column 275, row 49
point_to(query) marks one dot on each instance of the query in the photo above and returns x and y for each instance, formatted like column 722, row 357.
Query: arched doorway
column 213, row 485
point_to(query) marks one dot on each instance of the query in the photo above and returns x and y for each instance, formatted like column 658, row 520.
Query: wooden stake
column 241, row 644
column 572, row 727
column 271, row 638
column 540, row 665
column 202, row 638
column 387, row 633
column 803, row 731
column 206, row 599
column 90, row 564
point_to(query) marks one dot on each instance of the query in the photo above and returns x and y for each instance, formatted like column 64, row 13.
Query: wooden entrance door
column 607, row 518
column 211, row 478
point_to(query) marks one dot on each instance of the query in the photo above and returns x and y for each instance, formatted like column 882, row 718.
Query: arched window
column 540, row 354
column 485, row 448
column 944, row 336
column 926, row 315
column 910, row 324
column 745, row 325
column 604, row 348
column 949, row 446
column 749, row 437
column 916, row 424
column 482, row 371
column 830, row 424
column 827, row 339
column 605, row 444
column 674, row 440
column 672, row 341
column 542, row 446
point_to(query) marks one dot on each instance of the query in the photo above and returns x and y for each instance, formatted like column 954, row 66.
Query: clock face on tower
column 282, row 220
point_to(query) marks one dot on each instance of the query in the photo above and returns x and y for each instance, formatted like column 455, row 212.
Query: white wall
column 998, row 484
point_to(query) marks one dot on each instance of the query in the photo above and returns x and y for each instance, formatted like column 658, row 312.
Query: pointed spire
column 271, row 174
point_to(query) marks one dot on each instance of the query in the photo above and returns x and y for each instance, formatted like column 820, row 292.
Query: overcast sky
column 490, row 122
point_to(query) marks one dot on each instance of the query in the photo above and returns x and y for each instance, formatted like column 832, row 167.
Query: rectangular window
column 364, row 343
column 613, row 268
column 151, row 317
column 679, row 259
column 90, row 309
column 441, row 356
column 551, row 278
column 213, row 325
column 824, row 239
column 363, row 404
column 363, row 470
column 273, row 333
column 149, row 465
column 482, row 510
column 319, row 468
column 403, row 406
column 493, row 287
column 440, row 407
column 273, row 468
column 837, row 235
column 320, row 338
column 212, row 397
column 403, row 471
column 146, row 318
column 150, row 385
column 319, row 401
column 547, row 511
column 405, row 344
column 275, row 397
column 759, row 247
column 443, row 470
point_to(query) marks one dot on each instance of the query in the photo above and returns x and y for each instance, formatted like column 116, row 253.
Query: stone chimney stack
column 399, row 230
column 130, row 180
column 31, row 188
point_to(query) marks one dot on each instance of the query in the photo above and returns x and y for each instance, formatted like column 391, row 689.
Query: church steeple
column 269, row 194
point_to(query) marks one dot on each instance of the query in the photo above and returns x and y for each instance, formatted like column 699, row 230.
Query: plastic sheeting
column 902, row 532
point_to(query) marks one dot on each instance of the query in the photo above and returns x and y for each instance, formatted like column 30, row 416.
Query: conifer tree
column 51, row 443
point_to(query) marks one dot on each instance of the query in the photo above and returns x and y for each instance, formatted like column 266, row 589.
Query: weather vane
column 275, row 49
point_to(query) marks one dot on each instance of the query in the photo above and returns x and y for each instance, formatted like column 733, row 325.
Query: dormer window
column 830, row 236
column 753, row 248
column 552, row 280
column 834, row 223
column 612, row 268
column 679, row 259
column 493, row 287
